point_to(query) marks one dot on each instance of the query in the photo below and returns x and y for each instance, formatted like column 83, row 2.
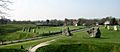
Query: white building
column 107, row 23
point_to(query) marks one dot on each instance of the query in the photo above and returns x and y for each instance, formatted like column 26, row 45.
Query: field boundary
column 35, row 38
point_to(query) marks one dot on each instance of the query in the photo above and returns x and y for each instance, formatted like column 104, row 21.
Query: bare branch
column 1, row 12
column 4, row 7
column 6, row 1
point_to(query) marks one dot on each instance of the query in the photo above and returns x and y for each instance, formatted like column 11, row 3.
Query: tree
column 4, row 7
column 105, row 19
column 81, row 21
column 4, row 20
column 47, row 21
column 114, row 21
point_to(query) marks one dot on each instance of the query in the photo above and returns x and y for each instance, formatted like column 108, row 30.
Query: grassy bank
column 81, row 42
column 26, row 45
column 10, row 32
column 79, row 48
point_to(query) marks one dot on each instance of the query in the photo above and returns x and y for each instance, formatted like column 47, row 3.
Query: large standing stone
column 34, row 30
column 94, row 32
column 91, row 32
column 115, row 28
column 67, row 32
column 98, row 33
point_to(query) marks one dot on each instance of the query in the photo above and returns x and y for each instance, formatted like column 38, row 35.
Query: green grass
column 19, row 35
column 81, row 42
column 14, row 31
column 12, row 50
column 26, row 45
column 77, row 48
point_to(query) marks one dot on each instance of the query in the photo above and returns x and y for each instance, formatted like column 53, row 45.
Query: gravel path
column 33, row 49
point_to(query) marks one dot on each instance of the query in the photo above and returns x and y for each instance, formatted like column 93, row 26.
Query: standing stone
column 33, row 30
column 83, row 24
column 2, row 41
column 98, row 33
column 94, row 32
column 22, row 47
column 115, row 28
column 108, row 27
column 29, row 29
column 91, row 32
column 23, row 29
column 105, row 26
column 67, row 32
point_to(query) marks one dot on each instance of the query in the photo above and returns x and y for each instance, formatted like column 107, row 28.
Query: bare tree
column 4, row 7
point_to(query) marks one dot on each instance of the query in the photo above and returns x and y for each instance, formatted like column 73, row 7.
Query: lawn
column 10, row 32
column 81, row 42
column 28, row 44
column 19, row 34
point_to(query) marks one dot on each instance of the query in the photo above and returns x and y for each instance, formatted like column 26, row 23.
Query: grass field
column 18, row 34
column 26, row 45
column 80, row 42
column 14, row 31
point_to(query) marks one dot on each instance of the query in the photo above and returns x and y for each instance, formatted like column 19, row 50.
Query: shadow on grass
column 79, row 48
column 98, row 38
column 12, row 50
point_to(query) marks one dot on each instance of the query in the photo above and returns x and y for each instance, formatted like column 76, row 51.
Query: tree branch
column 4, row 6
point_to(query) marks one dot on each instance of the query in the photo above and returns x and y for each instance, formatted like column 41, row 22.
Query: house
column 107, row 23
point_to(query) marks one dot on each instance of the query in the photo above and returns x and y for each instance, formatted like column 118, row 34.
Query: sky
column 61, row 9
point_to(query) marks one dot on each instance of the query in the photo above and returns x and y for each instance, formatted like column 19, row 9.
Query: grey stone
column 23, row 29
column 67, row 32
column 94, row 32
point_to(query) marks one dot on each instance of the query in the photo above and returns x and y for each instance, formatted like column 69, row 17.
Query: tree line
column 81, row 21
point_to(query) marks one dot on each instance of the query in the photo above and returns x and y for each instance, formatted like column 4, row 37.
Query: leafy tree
column 114, row 21
column 4, row 20
column 47, row 21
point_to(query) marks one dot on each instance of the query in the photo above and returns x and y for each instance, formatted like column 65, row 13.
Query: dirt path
column 33, row 49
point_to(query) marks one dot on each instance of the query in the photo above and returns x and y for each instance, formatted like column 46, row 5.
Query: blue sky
column 60, row 9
